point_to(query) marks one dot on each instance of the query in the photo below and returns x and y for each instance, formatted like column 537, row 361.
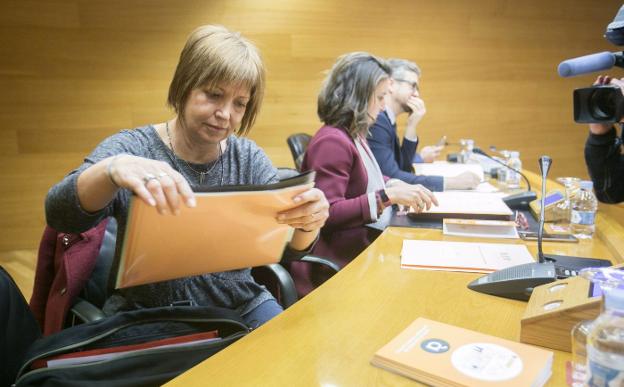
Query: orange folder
column 231, row 228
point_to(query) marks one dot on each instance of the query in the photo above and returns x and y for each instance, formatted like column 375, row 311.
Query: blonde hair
column 213, row 55
column 347, row 89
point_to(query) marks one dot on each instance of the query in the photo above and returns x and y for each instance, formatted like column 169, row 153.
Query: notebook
column 444, row 355
column 462, row 256
column 231, row 227
column 466, row 205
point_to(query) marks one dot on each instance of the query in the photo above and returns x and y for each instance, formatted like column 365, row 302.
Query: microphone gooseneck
column 544, row 163
column 481, row 152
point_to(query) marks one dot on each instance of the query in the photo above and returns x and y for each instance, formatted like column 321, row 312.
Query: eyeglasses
column 413, row 84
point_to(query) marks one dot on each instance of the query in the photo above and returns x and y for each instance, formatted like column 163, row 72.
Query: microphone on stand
column 518, row 282
column 544, row 164
column 519, row 201
column 569, row 265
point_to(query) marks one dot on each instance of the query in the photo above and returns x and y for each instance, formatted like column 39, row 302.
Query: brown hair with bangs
column 213, row 55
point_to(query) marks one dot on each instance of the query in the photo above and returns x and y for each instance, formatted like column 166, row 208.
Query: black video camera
column 602, row 103
column 598, row 104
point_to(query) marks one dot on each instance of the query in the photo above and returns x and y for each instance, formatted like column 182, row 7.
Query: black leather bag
column 142, row 367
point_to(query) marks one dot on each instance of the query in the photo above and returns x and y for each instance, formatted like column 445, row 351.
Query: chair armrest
column 288, row 292
column 86, row 312
column 321, row 261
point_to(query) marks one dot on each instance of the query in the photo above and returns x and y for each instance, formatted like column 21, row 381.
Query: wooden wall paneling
column 74, row 72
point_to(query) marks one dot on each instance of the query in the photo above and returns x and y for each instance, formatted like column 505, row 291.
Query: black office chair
column 298, row 143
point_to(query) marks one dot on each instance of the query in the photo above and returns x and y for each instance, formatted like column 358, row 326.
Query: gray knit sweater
column 243, row 162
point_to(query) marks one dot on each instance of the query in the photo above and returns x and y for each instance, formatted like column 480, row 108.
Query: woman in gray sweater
column 216, row 93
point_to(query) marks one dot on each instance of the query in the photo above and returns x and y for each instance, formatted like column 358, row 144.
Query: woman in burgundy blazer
column 351, row 97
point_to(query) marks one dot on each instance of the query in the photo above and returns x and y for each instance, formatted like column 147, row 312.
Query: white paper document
column 484, row 187
column 462, row 256
column 443, row 168
column 480, row 228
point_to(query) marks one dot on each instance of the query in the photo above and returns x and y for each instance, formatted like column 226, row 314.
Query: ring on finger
column 148, row 177
column 161, row 175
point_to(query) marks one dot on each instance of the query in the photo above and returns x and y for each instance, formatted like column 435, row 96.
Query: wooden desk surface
column 329, row 337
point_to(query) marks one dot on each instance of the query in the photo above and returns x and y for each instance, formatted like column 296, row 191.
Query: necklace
column 201, row 174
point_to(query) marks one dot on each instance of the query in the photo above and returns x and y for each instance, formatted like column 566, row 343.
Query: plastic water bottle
column 466, row 151
column 513, row 178
column 579, row 352
column 501, row 177
column 583, row 211
column 604, row 280
column 605, row 343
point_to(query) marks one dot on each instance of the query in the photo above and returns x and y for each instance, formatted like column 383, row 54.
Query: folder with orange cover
column 444, row 355
column 466, row 205
column 231, row 227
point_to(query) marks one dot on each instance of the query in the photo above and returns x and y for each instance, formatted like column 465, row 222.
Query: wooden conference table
column 329, row 337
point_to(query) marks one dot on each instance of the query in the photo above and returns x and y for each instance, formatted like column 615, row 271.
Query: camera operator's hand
column 600, row 129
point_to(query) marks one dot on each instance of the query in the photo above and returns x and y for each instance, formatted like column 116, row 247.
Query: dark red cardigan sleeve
column 341, row 176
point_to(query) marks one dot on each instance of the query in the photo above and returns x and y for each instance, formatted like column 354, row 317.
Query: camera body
column 603, row 103
column 598, row 104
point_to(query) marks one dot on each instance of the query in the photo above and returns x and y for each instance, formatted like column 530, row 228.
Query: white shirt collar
column 391, row 115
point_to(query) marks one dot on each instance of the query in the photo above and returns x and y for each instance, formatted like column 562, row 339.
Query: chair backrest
column 286, row 173
column 298, row 143
column 96, row 289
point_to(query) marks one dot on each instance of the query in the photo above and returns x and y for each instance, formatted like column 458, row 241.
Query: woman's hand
column 153, row 181
column 310, row 214
column 412, row 195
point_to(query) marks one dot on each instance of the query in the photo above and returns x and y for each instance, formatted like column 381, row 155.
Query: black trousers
column 18, row 329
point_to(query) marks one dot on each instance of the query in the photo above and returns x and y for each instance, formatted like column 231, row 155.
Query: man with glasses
column 394, row 159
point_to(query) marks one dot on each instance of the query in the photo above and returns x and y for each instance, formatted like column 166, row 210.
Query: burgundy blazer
column 341, row 175
column 64, row 265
